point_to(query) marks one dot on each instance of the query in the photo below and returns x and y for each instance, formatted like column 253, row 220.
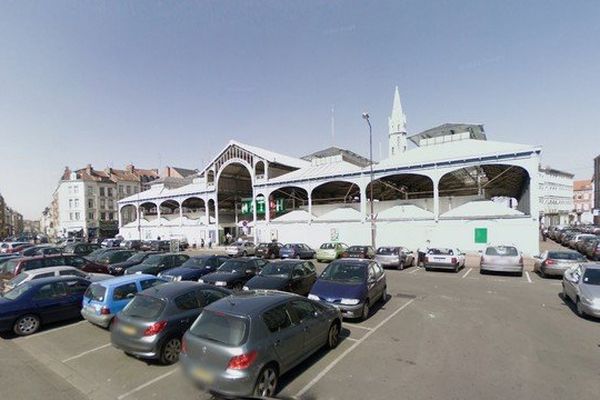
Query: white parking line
column 86, row 352
column 317, row 378
column 358, row 326
column 528, row 277
column 60, row 328
column 150, row 382
column 350, row 339
column 415, row 270
column 467, row 273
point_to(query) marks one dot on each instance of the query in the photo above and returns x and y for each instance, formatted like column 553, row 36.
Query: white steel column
column 436, row 199
column 180, row 213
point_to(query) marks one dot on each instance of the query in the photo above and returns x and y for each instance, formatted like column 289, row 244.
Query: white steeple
column 397, row 128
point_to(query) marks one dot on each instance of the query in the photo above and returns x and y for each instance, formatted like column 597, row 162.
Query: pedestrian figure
column 202, row 243
column 209, row 243
column 422, row 252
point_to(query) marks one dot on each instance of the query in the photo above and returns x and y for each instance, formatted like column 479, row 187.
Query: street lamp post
column 373, row 225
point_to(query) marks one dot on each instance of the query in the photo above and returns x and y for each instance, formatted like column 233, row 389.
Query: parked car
column 49, row 272
column 41, row 301
column 366, row 252
column 14, row 247
column 132, row 244
column 297, row 250
column 108, row 243
column 581, row 243
column 593, row 250
column 119, row 268
column 444, row 258
column 254, row 339
column 158, row 263
column 152, row 324
column 234, row 274
column 15, row 266
column 268, row 250
column 397, row 257
column 40, row 250
column 80, row 249
column 556, row 262
column 241, row 249
column 330, row 251
column 194, row 268
column 574, row 239
column 501, row 259
column 581, row 285
column 113, row 257
column 351, row 285
column 287, row 275
column 146, row 245
column 160, row 245
column 103, row 300
column 96, row 254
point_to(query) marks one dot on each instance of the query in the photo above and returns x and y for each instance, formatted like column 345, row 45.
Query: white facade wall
column 556, row 197
column 71, row 206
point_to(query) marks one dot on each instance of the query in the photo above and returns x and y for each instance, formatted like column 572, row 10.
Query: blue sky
column 169, row 83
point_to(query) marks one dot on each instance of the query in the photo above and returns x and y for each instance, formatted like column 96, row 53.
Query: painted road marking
column 359, row 326
column 60, row 328
column 350, row 339
column 86, row 352
column 317, row 378
column 145, row 385
column 467, row 273
column 415, row 270
column 528, row 277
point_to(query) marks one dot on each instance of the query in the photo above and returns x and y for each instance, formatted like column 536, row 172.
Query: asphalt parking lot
column 439, row 335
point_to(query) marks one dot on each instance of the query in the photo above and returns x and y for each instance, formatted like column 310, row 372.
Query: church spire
column 397, row 127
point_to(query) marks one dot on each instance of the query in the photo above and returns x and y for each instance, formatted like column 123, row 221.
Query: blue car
column 194, row 268
column 27, row 307
column 297, row 250
column 352, row 285
column 103, row 300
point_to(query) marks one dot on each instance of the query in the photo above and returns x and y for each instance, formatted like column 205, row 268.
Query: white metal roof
column 315, row 171
column 296, row 215
column 408, row 211
column 341, row 214
column 481, row 208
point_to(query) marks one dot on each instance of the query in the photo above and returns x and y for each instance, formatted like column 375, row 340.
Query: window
column 70, row 203
column 54, row 261
column 121, row 190
column 187, row 301
column 309, row 267
column 102, row 204
column 76, row 262
column 128, row 189
column 298, row 271
column 51, row 291
column 77, row 287
column 90, row 190
column 303, row 309
column 111, row 216
column 277, row 318
column 91, row 203
column 101, row 191
column 32, row 264
column 109, row 191
column 210, row 296
column 72, row 272
column 46, row 275
column 91, row 215
column 121, row 292
column 75, row 189
column 77, row 216
column 148, row 283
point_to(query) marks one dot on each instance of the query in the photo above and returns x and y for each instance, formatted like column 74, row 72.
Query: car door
column 121, row 295
column 165, row 263
column 287, row 337
column 179, row 259
column 573, row 276
column 297, row 283
column 314, row 325
column 372, row 283
column 189, row 305
column 380, row 276
column 52, row 302
column 76, row 288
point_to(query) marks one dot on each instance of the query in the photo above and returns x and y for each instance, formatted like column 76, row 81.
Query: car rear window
column 219, row 327
column 591, row 277
column 17, row 280
column 144, row 307
column 341, row 271
column 565, row 255
column 328, row 246
column 17, row 292
column 95, row 292
column 387, row 250
column 502, row 251
column 441, row 252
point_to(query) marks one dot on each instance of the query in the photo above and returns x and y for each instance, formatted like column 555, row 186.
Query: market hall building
column 454, row 188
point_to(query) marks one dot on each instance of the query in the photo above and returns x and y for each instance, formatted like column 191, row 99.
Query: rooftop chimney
column 89, row 169
column 130, row 168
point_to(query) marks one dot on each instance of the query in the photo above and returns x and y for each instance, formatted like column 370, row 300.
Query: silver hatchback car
column 239, row 346
column 501, row 259
column 581, row 285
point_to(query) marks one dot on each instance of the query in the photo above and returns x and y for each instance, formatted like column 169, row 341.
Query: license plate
column 203, row 375
column 128, row 330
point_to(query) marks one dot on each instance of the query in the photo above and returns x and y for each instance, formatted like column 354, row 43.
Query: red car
column 14, row 267
column 15, row 247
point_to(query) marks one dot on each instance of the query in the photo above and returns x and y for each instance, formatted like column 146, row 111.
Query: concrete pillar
column 267, row 207
column 266, row 170
column 363, row 203
column 180, row 214
column 309, row 206
column 436, row 199
column 158, row 214
column 119, row 217
column 216, row 203
column 206, row 212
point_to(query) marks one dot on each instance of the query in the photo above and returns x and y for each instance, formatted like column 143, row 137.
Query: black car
column 160, row 245
column 234, row 273
column 268, row 250
column 132, row 244
column 194, row 268
column 28, row 306
column 80, row 249
column 120, row 267
column 287, row 275
column 359, row 252
column 113, row 257
column 94, row 255
column 40, row 251
column 158, row 263
column 152, row 324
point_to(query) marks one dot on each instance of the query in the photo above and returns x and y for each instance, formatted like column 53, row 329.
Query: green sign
column 481, row 235
column 247, row 207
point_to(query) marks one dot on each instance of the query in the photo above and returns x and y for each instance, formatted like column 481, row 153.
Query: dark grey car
column 397, row 257
column 239, row 346
column 152, row 324
column 556, row 262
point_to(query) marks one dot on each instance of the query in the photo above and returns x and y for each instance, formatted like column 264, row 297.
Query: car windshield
column 345, row 272
column 144, row 307
column 232, row 266
column 17, row 292
column 17, row 280
column 221, row 328
column 387, row 250
column 592, row 277
column 195, row 262
column 503, row 251
column 262, row 246
column 10, row 266
column 153, row 260
column 328, row 246
column 138, row 257
column 95, row 292
column 566, row 255
column 356, row 248
column 278, row 269
column 69, row 248
column 441, row 252
column 289, row 246
column 95, row 254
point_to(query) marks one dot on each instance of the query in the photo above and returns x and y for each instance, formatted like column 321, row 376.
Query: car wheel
column 427, row 269
column 401, row 265
column 579, row 308
column 266, row 384
column 27, row 325
column 169, row 353
column 365, row 311
column 333, row 337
